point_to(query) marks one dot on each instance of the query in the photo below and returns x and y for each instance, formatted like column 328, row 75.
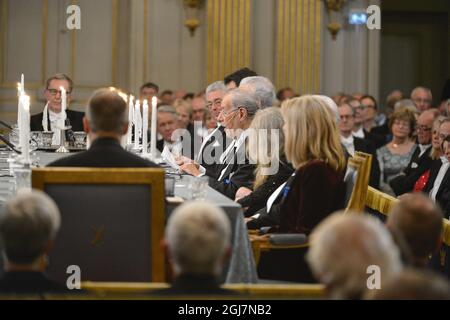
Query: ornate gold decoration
column 334, row 6
column 191, row 8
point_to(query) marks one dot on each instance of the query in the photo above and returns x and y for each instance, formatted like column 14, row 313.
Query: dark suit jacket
column 238, row 173
column 29, row 283
column 104, row 153
column 443, row 194
column 211, row 152
column 377, row 139
column 367, row 146
column 258, row 198
column 417, row 167
column 75, row 118
column 194, row 285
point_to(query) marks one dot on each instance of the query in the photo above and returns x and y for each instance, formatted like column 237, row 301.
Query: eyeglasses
column 224, row 115
column 54, row 92
column 216, row 103
column 344, row 117
column 423, row 128
column 418, row 100
column 367, row 106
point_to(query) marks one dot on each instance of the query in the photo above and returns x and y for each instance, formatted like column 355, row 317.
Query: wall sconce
column 191, row 8
column 334, row 8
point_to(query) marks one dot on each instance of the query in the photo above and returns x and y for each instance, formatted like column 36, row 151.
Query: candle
column 25, row 128
column 19, row 106
column 153, row 129
column 144, row 127
column 137, row 123
column 63, row 106
column 130, row 120
column 22, row 83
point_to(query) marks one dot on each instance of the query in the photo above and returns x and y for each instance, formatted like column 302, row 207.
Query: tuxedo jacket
column 210, row 154
column 367, row 146
column 104, row 153
column 234, row 173
column 443, row 194
column 416, row 168
column 75, row 118
column 257, row 200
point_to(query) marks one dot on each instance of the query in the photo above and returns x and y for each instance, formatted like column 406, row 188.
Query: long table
column 240, row 268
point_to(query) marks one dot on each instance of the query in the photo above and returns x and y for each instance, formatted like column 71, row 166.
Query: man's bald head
column 425, row 125
column 419, row 222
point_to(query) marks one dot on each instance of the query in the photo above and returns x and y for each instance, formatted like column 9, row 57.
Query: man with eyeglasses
column 48, row 119
column 213, row 145
column 421, row 158
column 422, row 98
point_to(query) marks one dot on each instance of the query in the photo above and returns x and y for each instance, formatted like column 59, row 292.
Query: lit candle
column 63, row 106
column 25, row 128
column 19, row 105
column 137, row 123
column 130, row 120
column 144, row 126
column 22, row 83
column 153, row 129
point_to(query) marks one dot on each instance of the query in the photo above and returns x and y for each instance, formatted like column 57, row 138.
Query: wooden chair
column 112, row 222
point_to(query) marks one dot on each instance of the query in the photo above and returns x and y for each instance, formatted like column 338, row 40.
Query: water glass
column 22, row 177
column 80, row 139
column 198, row 187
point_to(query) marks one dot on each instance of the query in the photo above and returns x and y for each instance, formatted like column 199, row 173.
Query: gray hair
column 198, row 235
column 167, row 109
column 406, row 104
column 344, row 246
column 241, row 99
column 331, row 104
column 261, row 88
column 216, row 86
column 28, row 221
column 416, row 89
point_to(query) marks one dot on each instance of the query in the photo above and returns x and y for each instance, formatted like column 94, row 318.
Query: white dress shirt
column 349, row 144
column 423, row 148
column 439, row 178
column 359, row 133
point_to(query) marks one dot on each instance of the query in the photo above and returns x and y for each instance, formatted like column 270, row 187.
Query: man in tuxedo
column 28, row 226
column 167, row 126
column 197, row 243
column 105, row 123
column 358, row 128
column 234, row 170
column 48, row 119
column 215, row 144
column 353, row 144
column 421, row 159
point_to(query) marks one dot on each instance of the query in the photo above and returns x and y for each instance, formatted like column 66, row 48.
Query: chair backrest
column 359, row 190
column 353, row 169
column 112, row 222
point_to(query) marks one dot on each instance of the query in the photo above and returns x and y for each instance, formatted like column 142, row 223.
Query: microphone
column 9, row 144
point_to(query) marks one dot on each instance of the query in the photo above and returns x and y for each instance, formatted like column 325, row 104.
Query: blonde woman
column 312, row 145
column 266, row 149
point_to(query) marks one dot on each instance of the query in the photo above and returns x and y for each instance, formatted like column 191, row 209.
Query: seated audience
column 197, row 243
column 105, row 123
column 344, row 247
column 417, row 221
column 438, row 185
column 422, row 98
column 272, row 167
column 184, row 113
column 172, row 139
column 167, row 98
column 421, row 158
column 312, row 145
column 234, row 79
column 413, row 284
column 234, row 170
column 395, row 156
column 353, row 144
column 28, row 226
column 261, row 89
column 148, row 91
column 285, row 93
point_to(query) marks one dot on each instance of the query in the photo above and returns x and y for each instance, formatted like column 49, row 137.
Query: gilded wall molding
column 298, row 41
column 228, row 37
